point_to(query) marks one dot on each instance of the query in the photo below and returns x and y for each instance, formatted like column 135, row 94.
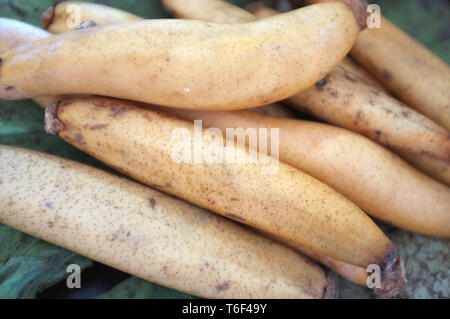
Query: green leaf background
column 29, row 266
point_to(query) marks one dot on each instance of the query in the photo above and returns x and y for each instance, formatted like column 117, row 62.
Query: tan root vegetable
column 146, row 145
column 93, row 12
column 261, row 12
column 351, row 65
column 407, row 68
column 15, row 33
column 220, row 11
column 178, row 63
column 224, row 12
column 68, row 15
column 438, row 169
column 354, row 274
column 341, row 268
column 347, row 100
column 370, row 176
column 146, row 233
column 208, row 10
column 325, row 153
column 352, row 100
column 198, row 10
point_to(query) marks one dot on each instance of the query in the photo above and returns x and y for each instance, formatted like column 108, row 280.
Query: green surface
column 28, row 265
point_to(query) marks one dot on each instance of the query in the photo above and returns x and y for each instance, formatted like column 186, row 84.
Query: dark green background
column 28, row 266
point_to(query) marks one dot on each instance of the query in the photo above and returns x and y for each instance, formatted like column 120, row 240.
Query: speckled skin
column 186, row 64
column 219, row 9
column 55, row 18
column 370, row 176
column 288, row 203
column 146, row 233
column 350, row 98
column 407, row 68
column 224, row 12
column 15, row 33
column 438, row 169
column 347, row 100
column 349, row 64
column 354, row 274
column 196, row 10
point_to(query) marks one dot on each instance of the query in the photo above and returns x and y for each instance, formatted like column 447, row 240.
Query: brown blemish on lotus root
column 223, row 286
column 152, row 202
column 117, row 111
column 359, row 116
column 387, row 75
column 98, row 126
column 79, row 139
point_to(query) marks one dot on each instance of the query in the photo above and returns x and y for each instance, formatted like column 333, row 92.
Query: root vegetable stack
column 158, row 76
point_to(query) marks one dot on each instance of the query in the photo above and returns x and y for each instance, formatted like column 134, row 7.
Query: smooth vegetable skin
column 357, row 275
column 10, row 29
column 187, row 64
column 349, row 64
column 260, row 11
column 14, row 33
column 222, row 11
column 407, row 68
column 68, row 15
column 438, row 169
column 146, row 233
column 199, row 9
column 349, row 98
column 93, row 12
column 325, row 152
column 373, row 178
column 218, row 11
column 283, row 201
